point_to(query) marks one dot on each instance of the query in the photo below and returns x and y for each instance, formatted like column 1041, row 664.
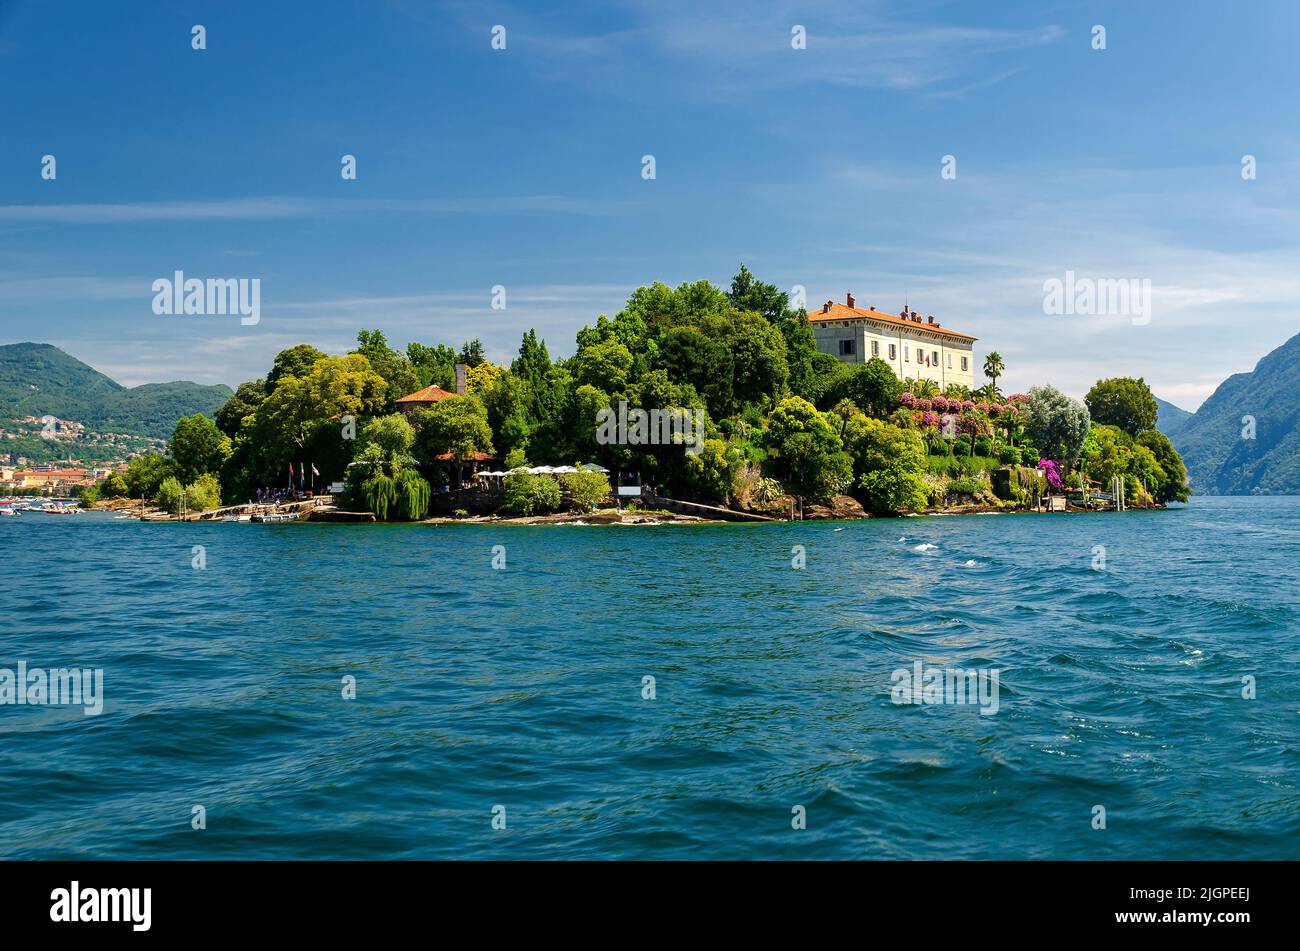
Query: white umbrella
column 560, row 470
column 593, row 467
column 541, row 470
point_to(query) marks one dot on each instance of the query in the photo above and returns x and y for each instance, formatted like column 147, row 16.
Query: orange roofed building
column 421, row 398
column 915, row 347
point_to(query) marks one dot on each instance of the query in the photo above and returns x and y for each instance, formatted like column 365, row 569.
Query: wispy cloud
column 251, row 209
column 743, row 50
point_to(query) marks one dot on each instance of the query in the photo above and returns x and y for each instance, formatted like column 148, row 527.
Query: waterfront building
column 915, row 347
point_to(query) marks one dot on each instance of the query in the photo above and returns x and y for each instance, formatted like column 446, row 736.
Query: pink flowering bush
column 1052, row 471
column 908, row 400
column 924, row 405
column 1018, row 398
column 968, row 405
column 940, row 404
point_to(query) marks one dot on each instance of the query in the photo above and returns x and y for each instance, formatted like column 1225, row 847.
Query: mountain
column 37, row 379
column 1171, row 418
column 1245, row 439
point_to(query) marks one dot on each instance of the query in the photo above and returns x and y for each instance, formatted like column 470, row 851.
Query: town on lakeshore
column 691, row 403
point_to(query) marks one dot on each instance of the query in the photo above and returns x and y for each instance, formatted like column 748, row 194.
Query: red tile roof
column 472, row 457
column 832, row 311
column 430, row 394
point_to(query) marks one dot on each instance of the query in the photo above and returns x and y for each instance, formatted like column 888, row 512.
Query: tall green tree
column 1124, row 402
column 1056, row 424
column 295, row 361
column 994, row 368
column 397, row 371
column 198, row 447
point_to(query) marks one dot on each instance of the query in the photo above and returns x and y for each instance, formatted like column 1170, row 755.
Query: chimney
column 826, row 307
column 916, row 318
column 930, row 318
column 461, row 370
column 848, row 299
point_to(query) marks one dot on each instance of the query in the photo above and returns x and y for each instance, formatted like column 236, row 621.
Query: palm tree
column 994, row 368
column 923, row 388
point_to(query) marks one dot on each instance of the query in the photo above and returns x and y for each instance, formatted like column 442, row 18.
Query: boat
column 58, row 508
column 268, row 518
column 236, row 518
column 9, row 510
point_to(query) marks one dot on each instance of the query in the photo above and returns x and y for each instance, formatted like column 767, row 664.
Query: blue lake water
column 523, row 688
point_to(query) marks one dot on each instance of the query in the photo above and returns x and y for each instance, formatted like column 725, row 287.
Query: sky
column 821, row 168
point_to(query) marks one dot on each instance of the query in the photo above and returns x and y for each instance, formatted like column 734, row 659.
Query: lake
column 508, row 712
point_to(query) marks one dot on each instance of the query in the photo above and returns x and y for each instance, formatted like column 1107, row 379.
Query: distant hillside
column 37, row 379
column 1172, row 418
column 1220, row 460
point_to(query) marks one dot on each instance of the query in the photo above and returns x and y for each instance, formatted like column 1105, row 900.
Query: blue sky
column 817, row 167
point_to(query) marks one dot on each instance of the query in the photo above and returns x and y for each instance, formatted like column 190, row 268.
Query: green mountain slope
column 1172, row 418
column 37, row 379
column 1215, row 442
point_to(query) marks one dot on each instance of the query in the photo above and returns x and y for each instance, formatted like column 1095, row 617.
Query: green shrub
column 1009, row 456
column 527, row 494
column 965, row 486
column 586, row 489
column 203, row 494
column 169, row 494
column 983, row 446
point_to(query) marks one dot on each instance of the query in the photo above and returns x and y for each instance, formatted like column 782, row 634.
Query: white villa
column 915, row 347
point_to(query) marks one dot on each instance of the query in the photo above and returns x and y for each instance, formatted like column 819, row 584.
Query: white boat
column 9, row 510
column 236, row 518
column 58, row 508
column 275, row 517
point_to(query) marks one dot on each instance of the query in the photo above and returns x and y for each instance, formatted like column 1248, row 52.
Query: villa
column 914, row 347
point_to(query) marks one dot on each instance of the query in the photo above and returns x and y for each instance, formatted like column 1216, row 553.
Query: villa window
column 963, row 363
column 875, row 348
column 893, row 352
column 907, row 357
column 950, row 361
column 936, row 358
column 848, row 348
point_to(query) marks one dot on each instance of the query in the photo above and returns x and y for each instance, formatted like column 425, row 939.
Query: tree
column 170, row 494
column 1173, row 486
column 457, row 426
column 872, row 387
column 994, row 368
column 144, row 475
column 230, row 416
column 471, row 353
column 203, row 494
column 1123, row 402
column 888, row 462
column 398, row 373
column 197, row 447
column 436, row 365
column 586, row 489
column 527, row 494
column 392, row 433
column 295, row 361
column 606, row 365
column 412, row 495
column 1107, row 453
column 1056, row 424
column 808, row 452
column 302, row 418
column 711, row 474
